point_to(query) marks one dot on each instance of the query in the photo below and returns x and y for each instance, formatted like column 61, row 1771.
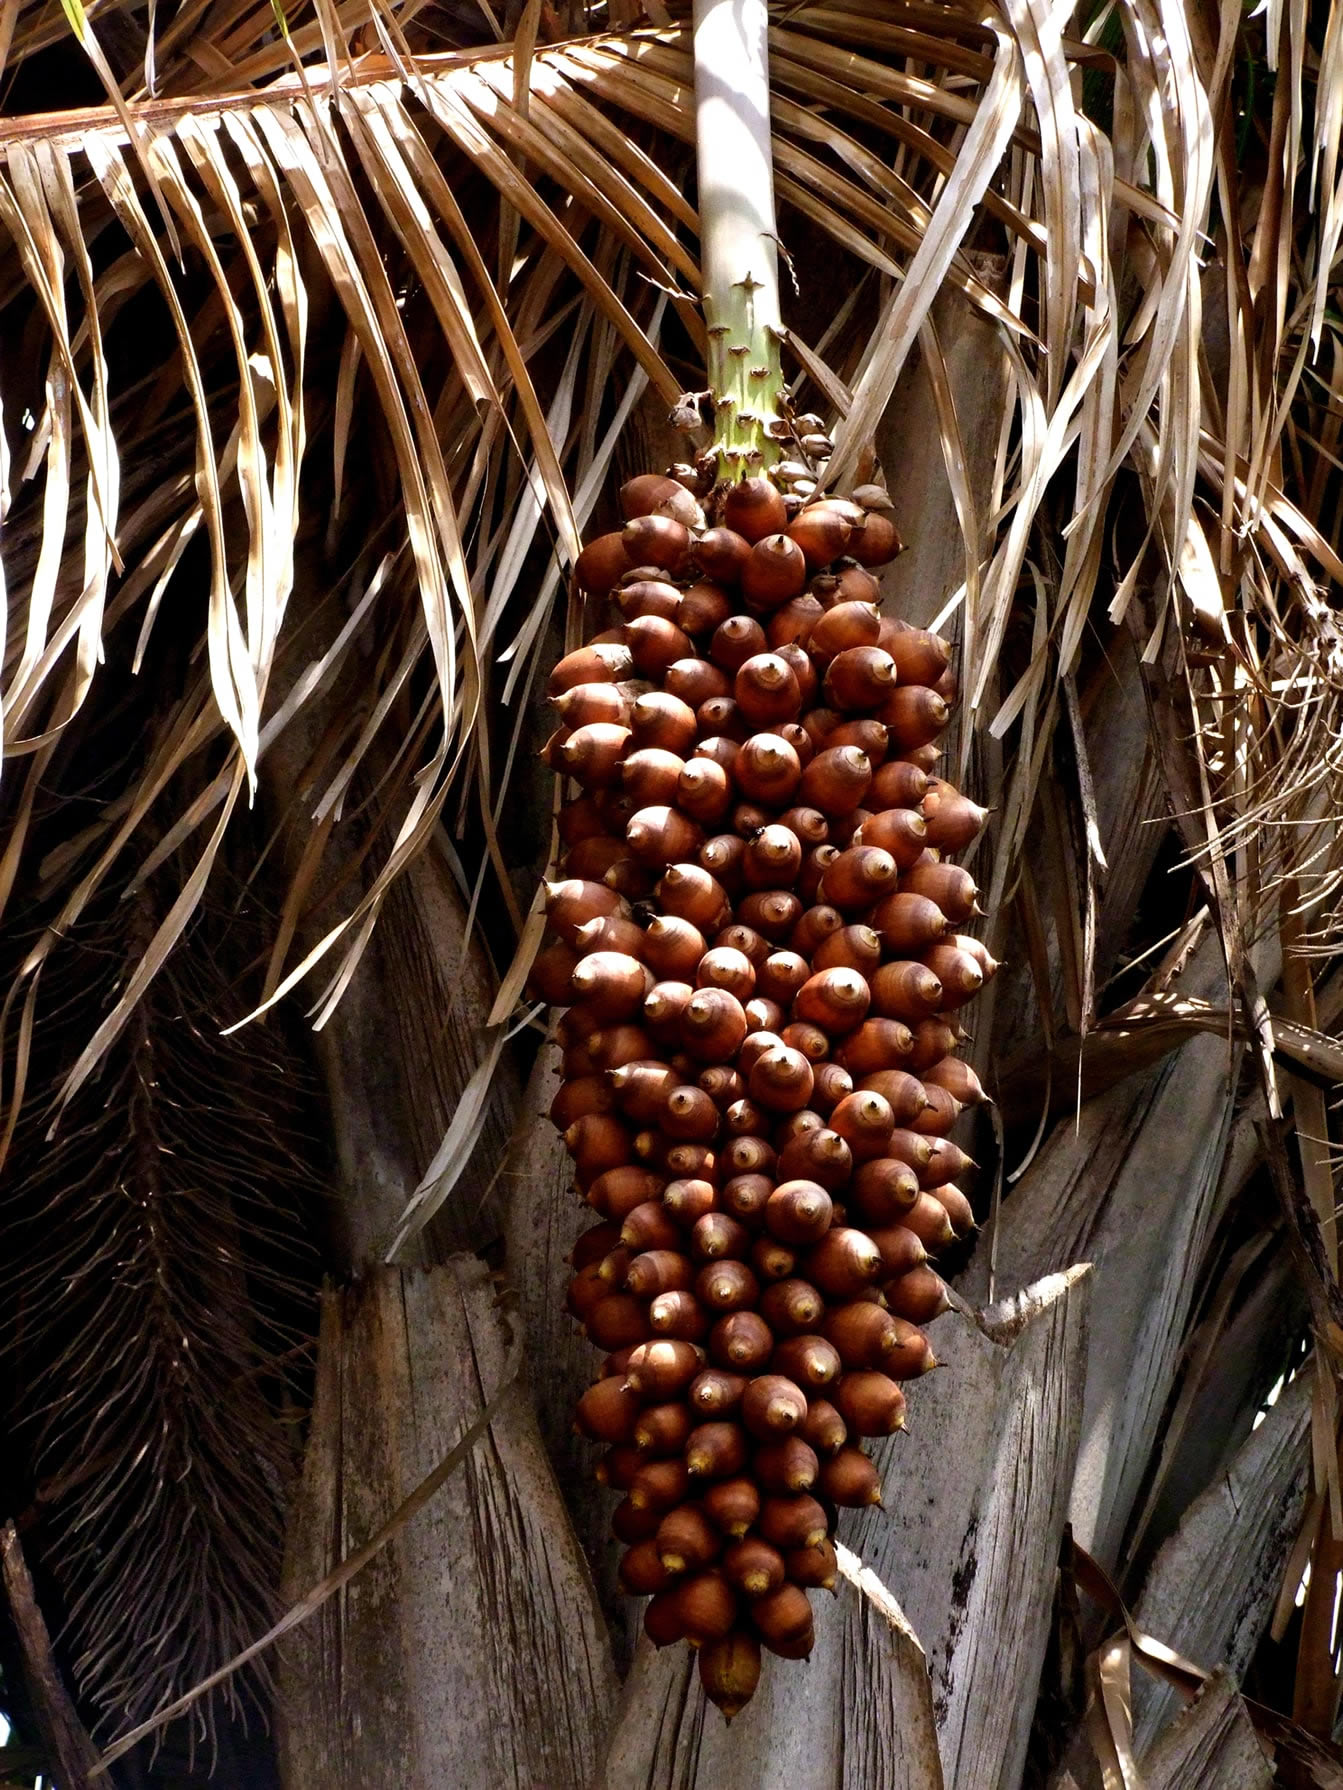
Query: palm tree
column 324, row 340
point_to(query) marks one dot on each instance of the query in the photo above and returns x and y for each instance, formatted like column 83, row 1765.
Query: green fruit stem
column 739, row 251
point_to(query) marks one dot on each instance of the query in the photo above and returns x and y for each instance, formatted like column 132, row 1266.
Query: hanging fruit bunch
column 760, row 938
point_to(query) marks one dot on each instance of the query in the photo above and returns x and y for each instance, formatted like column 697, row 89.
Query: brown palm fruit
column 860, row 677
column 799, row 1646
column 822, row 531
column 918, row 1295
column 772, row 1406
column 798, row 1212
column 958, row 1209
column 659, row 1485
column 745, row 1195
column 590, row 702
column 616, row 1193
column 836, row 780
column 773, row 855
column 679, row 1315
column 783, row 1617
column 686, row 1540
column 707, row 1607
column 870, row 1403
column 774, row 572
column 830, row 1083
column 959, row 1080
column 930, row 1222
column 851, row 948
column 953, row 821
column 914, row 714
column 614, row 1266
column 658, row 1271
column 771, row 1260
column 763, row 1015
column 819, row 1155
column 813, row 1568
column 781, row 1079
column 884, row 1189
column 792, row 1307
column 591, row 1245
column 642, row 1572
column 940, row 1114
column 552, row 971
column 688, row 1199
column 650, row 1226
column 617, row 1321
column 663, row 1429
column 732, row 1505
column 732, row 1286
column 848, row 1478
column 611, row 934
column 662, row 1620
column 792, row 1522
column 876, row 542
column 642, row 596
column 902, row 832
column 754, row 508
column 808, row 1039
column 811, row 927
column 715, row 1392
column 908, row 924
column 844, row 1263
column 634, row 1522
column 871, row 737
column 791, row 1465
column 661, row 1369
column 835, row 999
column 862, row 1335
column 781, row 975
column 899, row 1248
column 608, row 1411
column 841, row 627
column 717, row 1235
column 722, row 856
column 756, row 929
column 933, row 1040
column 753, row 1567
column 586, row 1288
column 572, row 902
column 729, row 1670
column 741, row 1341
column 723, row 1084
column 604, row 663
column 866, row 1122
column 792, row 625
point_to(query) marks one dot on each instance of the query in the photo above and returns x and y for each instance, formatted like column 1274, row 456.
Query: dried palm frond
column 383, row 199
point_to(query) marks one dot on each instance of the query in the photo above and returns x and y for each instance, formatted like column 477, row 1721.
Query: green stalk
column 737, row 234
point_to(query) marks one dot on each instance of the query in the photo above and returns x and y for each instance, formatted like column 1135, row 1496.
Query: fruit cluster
column 757, row 938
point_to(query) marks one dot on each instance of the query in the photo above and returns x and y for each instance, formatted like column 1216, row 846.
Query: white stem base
column 737, row 231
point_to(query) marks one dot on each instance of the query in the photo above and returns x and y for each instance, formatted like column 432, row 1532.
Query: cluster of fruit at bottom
column 757, row 934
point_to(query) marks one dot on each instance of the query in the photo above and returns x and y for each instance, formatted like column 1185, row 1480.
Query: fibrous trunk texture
column 470, row 1651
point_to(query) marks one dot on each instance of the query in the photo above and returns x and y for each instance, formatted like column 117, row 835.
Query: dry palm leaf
column 374, row 195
